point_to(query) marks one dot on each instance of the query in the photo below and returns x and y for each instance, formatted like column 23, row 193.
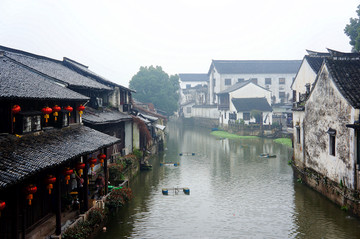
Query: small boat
column 268, row 155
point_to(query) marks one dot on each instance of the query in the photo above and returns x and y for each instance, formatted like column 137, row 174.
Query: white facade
column 278, row 83
column 279, row 86
column 306, row 75
column 250, row 90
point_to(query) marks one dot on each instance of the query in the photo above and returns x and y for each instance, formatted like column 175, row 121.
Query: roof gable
column 240, row 85
column 249, row 104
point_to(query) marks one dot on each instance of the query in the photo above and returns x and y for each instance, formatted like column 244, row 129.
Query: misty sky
column 115, row 37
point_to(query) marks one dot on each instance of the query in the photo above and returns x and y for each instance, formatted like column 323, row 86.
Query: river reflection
column 233, row 194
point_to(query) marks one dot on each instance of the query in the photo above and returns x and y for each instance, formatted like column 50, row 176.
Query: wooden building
column 42, row 143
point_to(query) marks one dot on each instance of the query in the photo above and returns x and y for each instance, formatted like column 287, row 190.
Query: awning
column 23, row 157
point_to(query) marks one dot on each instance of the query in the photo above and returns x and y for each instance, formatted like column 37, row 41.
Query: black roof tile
column 249, row 104
column 53, row 68
column 82, row 69
column 193, row 77
column 256, row 66
column 105, row 116
column 315, row 62
column 17, row 81
column 346, row 76
column 23, row 157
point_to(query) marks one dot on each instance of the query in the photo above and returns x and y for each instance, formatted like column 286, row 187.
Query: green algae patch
column 224, row 134
column 284, row 141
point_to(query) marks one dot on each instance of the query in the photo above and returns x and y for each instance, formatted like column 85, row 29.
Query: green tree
column 352, row 30
column 153, row 85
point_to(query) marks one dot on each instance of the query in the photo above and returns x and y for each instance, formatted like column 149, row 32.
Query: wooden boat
column 268, row 155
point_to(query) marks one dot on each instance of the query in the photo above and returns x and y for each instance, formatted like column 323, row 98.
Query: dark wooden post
column 58, row 202
column 106, row 172
column 23, row 226
column 17, row 211
column 86, row 185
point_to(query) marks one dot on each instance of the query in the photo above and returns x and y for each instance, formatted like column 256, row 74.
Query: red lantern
column 2, row 206
column 15, row 109
column 101, row 158
column 30, row 190
column 50, row 180
column 46, row 111
column 67, row 172
column 80, row 108
column 56, row 109
column 69, row 109
column 92, row 162
column 80, row 166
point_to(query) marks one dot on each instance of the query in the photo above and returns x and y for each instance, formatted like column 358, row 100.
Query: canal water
column 234, row 193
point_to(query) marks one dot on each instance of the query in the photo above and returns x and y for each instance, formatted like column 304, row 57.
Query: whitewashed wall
column 320, row 115
column 128, row 137
column 306, row 75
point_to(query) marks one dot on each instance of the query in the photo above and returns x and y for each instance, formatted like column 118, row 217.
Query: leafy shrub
column 118, row 197
column 84, row 229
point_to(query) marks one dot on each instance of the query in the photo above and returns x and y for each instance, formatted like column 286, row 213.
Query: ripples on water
column 233, row 194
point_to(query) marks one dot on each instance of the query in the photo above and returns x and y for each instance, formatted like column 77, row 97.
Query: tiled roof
column 104, row 116
column 82, row 69
column 193, row 77
column 23, row 157
column 53, row 68
column 346, row 76
column 249, row 104
column 256, row 66
column 17, row 81
column 315, row 62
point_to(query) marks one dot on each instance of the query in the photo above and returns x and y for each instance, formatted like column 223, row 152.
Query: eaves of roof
column 21, row 158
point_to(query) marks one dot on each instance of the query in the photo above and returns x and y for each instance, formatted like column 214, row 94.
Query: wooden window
column 267, row 81
column 27, row 122
column 281, row 81
column 188, row 110
column 246, row 116
column 227, row 81
column 332, row 141
column 332, row 145
column 281, row 95
column 241, row 80
column 298, row 135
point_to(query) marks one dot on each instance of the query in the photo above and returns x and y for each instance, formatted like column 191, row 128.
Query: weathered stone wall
column 325, row 109
column 346, row 198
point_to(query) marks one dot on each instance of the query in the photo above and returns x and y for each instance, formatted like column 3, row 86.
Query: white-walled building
column 274, row 75
column 193, row 88
column 326, row 126
column 232, row 103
